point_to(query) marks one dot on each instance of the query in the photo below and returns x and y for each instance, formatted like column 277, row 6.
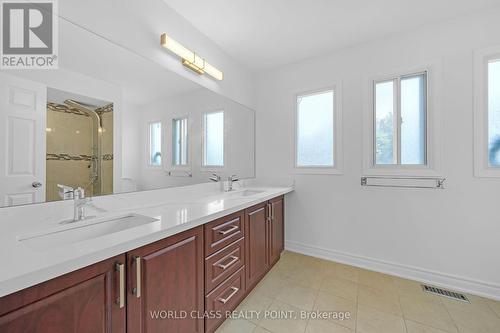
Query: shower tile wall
column 70, row 134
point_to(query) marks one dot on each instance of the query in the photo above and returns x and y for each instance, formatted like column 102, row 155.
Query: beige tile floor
column 376, row 303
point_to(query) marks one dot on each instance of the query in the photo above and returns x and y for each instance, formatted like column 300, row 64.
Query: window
column 315, row 122
column 155, row 144
column 213, row 139
column 400, row 108
column 494, row 113
column 487, row 112
column 180, row 142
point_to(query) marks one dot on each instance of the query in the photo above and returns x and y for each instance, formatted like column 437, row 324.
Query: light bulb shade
column 175, row 47
column 214, row 72
column 190, row 59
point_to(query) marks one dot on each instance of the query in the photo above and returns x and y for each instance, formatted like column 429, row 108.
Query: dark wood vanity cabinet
column 257, row 243
column 84, row 301
column 276, row 229
column 265, row 238
column 225, row 284
column 173, row 285
column 166, row 292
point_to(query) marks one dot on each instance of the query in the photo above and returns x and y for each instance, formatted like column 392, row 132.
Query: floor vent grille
column 445, row 293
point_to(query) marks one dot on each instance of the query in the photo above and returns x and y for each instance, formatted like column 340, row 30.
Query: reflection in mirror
column 213, row 139
column 204, row 133
column 155, row 144
column 179, row 142
column 111, row 121
column 79, row 136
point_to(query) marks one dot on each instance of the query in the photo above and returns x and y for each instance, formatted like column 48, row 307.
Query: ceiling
column 263, row 34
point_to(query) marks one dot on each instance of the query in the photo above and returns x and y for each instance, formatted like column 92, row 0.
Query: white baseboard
column 438, row 279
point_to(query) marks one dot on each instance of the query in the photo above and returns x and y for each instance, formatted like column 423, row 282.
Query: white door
column 22, row 141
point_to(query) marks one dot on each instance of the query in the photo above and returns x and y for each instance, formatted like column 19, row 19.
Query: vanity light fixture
column 190, row 59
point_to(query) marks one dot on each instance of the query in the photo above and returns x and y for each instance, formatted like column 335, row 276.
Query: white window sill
column 487, row 172
column 316, row 171
column 179, row 168
column 207, row 169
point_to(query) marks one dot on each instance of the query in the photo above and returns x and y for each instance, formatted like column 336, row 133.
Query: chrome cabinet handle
column 269, row 212
column 229, row 264
column 225, row 232
column 36, row 184
column 137, row 289
column 225, row 300
column 120, row 268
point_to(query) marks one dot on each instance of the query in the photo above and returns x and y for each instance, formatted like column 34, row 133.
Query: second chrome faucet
column 227, row 186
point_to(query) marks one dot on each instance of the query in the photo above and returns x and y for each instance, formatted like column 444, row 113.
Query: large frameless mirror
column 111, row 121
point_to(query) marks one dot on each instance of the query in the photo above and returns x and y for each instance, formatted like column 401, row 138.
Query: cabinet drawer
column 223, row 231
column 219, row 266
column 225, row 298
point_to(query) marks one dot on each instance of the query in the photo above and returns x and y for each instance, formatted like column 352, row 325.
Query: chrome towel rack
column 404, row 182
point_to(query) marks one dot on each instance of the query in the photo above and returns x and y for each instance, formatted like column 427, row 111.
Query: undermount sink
column 244, row 193
column 83, row 230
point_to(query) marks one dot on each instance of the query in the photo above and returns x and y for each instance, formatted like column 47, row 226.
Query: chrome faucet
column 230, row 181
column 215, row 178
column 80, row 203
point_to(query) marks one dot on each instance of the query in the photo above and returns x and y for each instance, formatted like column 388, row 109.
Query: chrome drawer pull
column 225, row 232
column 229, row 264
column 137, row 289
column 120, row 268
column 225, row 300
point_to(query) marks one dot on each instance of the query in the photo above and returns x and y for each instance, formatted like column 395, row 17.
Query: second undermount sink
column 85, row 230
column 244, row 193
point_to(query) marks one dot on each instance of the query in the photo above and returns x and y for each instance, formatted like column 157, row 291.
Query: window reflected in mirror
column 155, row 144
column 180, row 142
column 213, row 147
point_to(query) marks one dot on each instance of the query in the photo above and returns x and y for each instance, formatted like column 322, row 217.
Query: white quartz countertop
column 176, row 210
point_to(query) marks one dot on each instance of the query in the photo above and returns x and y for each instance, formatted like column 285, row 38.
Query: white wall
column 137, row 25
column 446, row 236
column 131, row 141
column 239, row 138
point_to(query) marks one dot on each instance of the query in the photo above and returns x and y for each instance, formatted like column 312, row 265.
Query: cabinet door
column 165, row 291
column 84, row 301
column 276, row 229
column 256, row 225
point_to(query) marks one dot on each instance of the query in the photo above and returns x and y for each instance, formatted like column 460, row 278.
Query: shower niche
column 79, row 138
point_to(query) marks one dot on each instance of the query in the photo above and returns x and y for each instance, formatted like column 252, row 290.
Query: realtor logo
column 29, row 34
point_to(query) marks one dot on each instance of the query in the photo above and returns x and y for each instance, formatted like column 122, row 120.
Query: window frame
column 183, row 143
column 482, row 167
column 433, row 90
column 148, row 148
column 337, row 167
column 169, row 165
column 398, row 119
column 208, row 168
